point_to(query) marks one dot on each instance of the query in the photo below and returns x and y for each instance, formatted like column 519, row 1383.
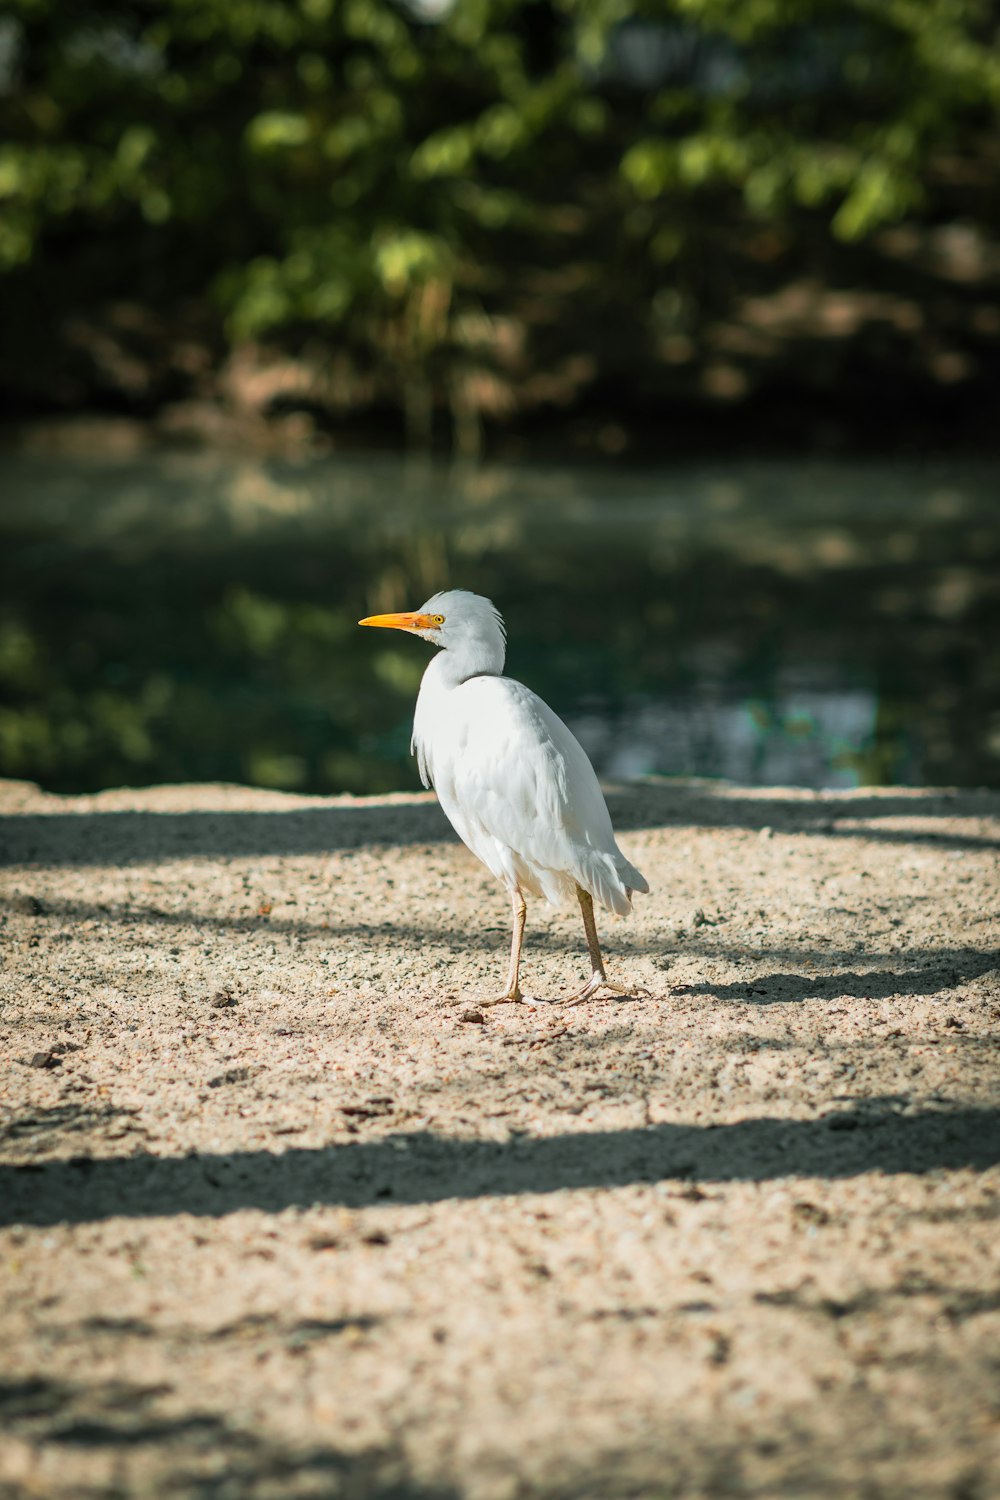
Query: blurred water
column 192, row 616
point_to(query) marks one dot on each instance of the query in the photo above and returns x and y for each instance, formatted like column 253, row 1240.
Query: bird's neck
column 472, row 659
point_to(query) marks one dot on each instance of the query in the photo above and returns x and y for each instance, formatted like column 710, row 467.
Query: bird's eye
column 438, row 619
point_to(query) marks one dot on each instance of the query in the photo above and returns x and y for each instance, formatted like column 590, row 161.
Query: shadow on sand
column 918, row 971
column 199, row 1454
column 424, row 1168
column 117, row 837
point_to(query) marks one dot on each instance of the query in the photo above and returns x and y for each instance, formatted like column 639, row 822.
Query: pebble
column 45, row 1060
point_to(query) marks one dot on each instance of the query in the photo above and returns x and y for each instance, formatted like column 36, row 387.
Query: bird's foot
column 599, row 981
column 509, row 997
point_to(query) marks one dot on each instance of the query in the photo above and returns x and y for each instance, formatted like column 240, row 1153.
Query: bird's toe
column 601, row 982
column 510, row 997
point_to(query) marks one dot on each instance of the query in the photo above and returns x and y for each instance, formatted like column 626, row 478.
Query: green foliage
column 326, row 162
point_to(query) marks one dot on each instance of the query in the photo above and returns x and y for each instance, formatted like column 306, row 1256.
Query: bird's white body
column 514, row 782
column 517, row 787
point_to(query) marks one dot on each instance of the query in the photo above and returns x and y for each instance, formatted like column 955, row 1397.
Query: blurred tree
column 481, row 206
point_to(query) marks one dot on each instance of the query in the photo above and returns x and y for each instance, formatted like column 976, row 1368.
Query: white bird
column 515, row 784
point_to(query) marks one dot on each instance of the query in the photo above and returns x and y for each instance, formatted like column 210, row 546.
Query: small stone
column 322, row 1241
column 474, row 1016
column 720, row 1348
column 810, row 1213
column 50, row 1059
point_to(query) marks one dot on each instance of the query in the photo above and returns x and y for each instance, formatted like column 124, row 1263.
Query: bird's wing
column 522, row 794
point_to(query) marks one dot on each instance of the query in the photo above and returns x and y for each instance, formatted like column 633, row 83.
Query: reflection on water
column 193, row 617
column 811, row 738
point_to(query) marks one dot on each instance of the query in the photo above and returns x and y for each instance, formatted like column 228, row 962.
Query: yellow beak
column 401, row 622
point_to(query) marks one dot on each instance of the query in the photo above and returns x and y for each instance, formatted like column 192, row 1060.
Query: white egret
column 515, row 784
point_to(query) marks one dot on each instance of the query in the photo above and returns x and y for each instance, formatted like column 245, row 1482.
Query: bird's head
column 457, row 621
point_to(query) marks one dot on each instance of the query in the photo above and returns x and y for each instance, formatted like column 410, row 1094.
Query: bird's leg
column 598, row 979
column 512, row 990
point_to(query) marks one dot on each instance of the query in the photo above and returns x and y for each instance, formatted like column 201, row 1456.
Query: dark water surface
column 191, row 617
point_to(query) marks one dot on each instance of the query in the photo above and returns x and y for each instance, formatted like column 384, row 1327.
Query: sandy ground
column 284, row 1215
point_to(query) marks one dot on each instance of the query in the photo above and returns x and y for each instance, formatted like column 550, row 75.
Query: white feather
column 512, row 779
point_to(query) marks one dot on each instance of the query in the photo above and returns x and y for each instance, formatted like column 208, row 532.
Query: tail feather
column 631, row 877
column 611, row 882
